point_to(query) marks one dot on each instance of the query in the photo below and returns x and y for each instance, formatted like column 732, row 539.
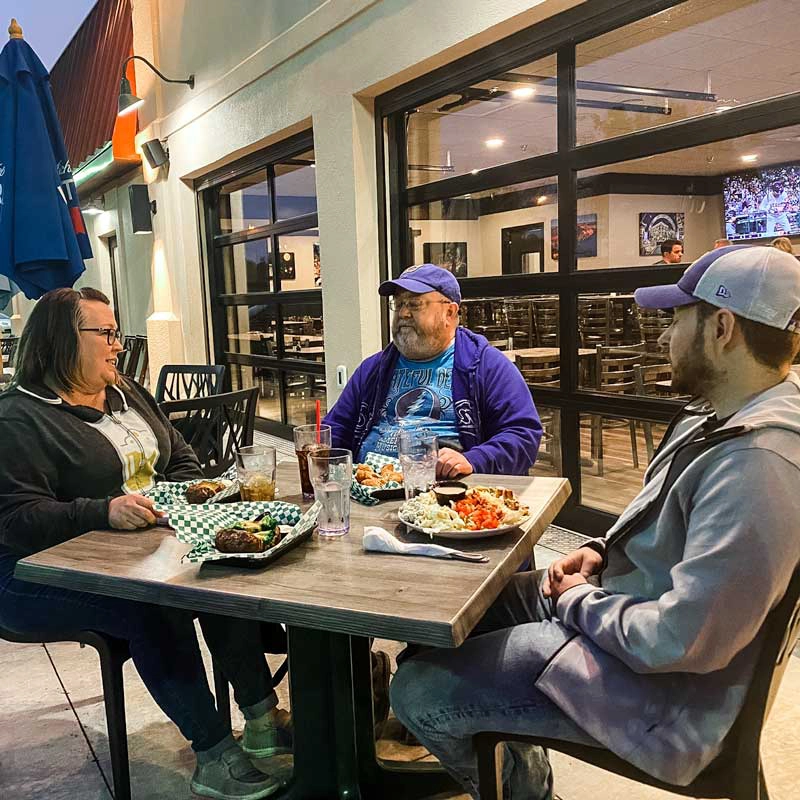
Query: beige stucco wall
column 262, row 73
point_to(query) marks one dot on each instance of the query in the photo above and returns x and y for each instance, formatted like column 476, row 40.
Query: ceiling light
column 494, row 143
column 541, row 199
column 750, row 158
column 523, row 92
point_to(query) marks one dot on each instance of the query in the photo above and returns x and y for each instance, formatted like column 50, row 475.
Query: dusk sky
column 47, row 25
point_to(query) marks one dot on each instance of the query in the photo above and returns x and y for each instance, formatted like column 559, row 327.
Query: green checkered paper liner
column 363, row 494
column 170, row 493
column 198, row 526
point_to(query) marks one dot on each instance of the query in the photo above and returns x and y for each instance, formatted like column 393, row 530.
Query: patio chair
column 113, row 654
column 737, row 773
column 187, row 381
column 215, row 426
column 8, row 349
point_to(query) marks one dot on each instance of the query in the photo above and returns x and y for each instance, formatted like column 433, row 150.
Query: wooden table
column 333, row 597
column 546, row 352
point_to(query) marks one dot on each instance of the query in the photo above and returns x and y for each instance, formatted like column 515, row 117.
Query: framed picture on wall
column 317, row 265
column 287, row 268
column 656, row 227
column 587, row 237
column 451, row 256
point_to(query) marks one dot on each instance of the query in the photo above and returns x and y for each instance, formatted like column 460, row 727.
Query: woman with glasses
column 79, row 444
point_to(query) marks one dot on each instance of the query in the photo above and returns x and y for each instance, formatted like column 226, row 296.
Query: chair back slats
column 8, row 349
column 652, row 323
column 132, row 362
column 539, row 370
column 188, row 381
column 615, row 367
column 215, row 426
column 546, row 321
column 648, row 375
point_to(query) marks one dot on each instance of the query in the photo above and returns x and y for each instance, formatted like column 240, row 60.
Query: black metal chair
column 128, row 361
column 737, row 773
column 215, row 426
column 113, row 654
column 8, row 349
column 187, row 381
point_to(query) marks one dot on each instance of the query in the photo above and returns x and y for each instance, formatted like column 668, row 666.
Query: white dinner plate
column 482, row 534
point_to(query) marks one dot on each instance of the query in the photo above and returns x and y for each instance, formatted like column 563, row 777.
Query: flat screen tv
column 762, row 203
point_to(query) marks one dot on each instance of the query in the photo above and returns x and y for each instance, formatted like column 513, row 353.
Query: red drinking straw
column 318, row 423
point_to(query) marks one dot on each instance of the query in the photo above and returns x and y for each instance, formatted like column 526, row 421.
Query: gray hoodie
column 667, row 643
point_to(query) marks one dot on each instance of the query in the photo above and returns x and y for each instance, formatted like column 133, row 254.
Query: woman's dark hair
column 770, row 346
column 49, row 347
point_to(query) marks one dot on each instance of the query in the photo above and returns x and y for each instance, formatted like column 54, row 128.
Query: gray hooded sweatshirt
column 666, row 645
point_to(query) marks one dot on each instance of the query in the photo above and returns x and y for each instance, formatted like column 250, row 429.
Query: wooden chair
column 215, row 426
column 646, row 377
column 113, row 654
column 541, row 371
column 546, row 321
column 652, row 323
column 737, row 773
column 519, row 317
column 615, row 374
column 598, row 322
column 187, row 381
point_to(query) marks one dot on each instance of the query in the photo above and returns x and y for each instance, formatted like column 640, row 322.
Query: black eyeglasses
column 112, row 334
column 414, row 306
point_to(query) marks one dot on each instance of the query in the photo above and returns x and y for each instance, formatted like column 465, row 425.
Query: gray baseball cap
column 757, row 283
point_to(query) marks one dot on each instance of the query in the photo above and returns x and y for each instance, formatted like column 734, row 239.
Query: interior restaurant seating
column 737, row 773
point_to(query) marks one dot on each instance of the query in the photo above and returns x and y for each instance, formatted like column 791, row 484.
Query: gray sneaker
column 232, row 777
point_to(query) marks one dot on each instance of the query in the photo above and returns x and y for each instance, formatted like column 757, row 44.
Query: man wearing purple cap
column 443, row 377
column 644, row 641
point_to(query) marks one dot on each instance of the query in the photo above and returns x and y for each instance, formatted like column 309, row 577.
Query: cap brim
column 407, row 284
column 663, row 297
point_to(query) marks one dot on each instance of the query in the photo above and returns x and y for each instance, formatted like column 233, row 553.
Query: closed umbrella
column 43, row 239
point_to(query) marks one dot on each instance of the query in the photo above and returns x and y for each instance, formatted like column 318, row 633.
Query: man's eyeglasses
column 414, row 306
column 112, row 334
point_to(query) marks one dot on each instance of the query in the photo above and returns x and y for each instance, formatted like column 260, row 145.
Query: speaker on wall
column 155, row 153
column 141, row 208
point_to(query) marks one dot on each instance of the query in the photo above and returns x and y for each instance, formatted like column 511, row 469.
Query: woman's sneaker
column 232, row 777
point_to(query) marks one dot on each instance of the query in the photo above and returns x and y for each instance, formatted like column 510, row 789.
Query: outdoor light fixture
column 128, row 101
column 155, row 153
column 94, row 207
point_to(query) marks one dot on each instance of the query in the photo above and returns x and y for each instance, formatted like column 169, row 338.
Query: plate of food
column 378, row 478
column 459, row 512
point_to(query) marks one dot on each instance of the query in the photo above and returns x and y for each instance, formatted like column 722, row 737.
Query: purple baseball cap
column 757, row 283
column 424, row 278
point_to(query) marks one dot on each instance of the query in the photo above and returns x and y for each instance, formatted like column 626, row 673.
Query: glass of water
column 331, row 474
column 418, row 451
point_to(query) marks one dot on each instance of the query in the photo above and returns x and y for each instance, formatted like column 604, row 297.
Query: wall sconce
column 141, row 208
column 127, row 100
column 156, row 154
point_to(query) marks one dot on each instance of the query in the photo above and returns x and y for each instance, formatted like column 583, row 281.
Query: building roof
column 85, row 79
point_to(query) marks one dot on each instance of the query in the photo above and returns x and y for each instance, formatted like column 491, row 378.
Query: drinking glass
column 305, row 442
column 418, row 451
column 255, row 469
column 331, row 475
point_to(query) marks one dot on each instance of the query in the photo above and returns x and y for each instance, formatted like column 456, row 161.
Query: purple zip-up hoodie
column 498, row 426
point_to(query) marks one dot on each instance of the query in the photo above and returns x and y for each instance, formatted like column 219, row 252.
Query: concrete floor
column 53, row 738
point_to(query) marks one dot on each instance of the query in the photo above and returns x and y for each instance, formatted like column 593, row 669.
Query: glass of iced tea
column 306, row 442
column 255, row 469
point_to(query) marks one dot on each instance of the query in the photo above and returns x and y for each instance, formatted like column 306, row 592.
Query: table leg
column 334, row 746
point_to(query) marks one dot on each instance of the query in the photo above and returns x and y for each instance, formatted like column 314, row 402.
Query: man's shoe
column 267, row 737
column 232, row 777
column 381, row 671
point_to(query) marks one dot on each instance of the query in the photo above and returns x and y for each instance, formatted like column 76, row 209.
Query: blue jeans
column 444, row 697
column 163, row 645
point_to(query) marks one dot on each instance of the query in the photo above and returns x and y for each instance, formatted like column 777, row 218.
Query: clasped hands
column 572, row 570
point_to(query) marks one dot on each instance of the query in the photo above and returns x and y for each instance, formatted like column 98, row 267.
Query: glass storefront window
column 303, row 336
column 247, row 267
column 507, row 117
column 244, row 203
column 549, row 461
column 694, row 59
column 251, row 330
column 296, row 187
column 302, row 392
column 614, row 455
column 269, row 398
column 299, row 260
column 511, row 230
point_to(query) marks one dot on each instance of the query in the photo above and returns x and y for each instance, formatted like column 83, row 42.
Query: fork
column 479, row 558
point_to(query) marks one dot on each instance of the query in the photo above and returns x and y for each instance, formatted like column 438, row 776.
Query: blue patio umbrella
column 43, row 239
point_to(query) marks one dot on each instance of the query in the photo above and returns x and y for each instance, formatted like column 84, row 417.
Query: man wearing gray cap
column 644, row 641
column 442, row 377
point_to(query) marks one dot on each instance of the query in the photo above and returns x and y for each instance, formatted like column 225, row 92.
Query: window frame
column 278, row 300
column 559, row 34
